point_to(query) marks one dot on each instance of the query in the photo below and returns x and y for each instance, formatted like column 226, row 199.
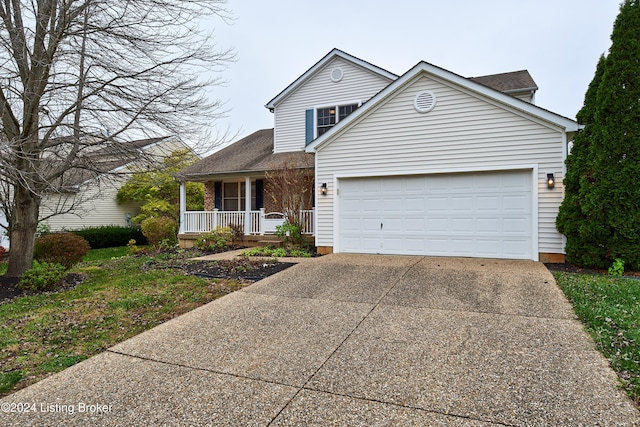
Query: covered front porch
column 226, row 206
column 249, row 188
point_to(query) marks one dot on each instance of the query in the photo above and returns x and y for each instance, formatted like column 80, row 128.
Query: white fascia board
column 423, row 67
column 318, row 65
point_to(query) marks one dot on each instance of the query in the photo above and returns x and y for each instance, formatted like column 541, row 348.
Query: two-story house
column 427, row 163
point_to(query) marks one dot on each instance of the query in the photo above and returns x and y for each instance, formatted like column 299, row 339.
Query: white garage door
column 466, row 214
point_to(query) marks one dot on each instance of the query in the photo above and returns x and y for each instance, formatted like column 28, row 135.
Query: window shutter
column 217, row 198
column 259, row 193
column 308, row 127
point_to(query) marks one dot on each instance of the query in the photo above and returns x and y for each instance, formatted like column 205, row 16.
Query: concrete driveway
column 353, row 340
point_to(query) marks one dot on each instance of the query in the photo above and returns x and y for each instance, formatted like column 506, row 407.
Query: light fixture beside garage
column 323, row 189
column 551, row 181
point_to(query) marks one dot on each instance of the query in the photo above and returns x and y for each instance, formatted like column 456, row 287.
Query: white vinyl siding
column 99, row 205
column 357, row 85
column 464, row 133
column 101, row 208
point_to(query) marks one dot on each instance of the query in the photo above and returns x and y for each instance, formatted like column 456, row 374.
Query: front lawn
column 120, row 297
column 609, row 307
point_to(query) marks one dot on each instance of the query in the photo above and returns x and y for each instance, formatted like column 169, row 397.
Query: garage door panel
column 488, row 225
column 369, row 205
column 516, row 203
column 437, row 225
column 461, row 204
column 461, row 225
column 464, row 247
column 437, row 204
column 415, row 225
column 466, row 214
column 486, row 204
column 371, row 224
column 516, row 225
column 413, row 204
column 489, row 248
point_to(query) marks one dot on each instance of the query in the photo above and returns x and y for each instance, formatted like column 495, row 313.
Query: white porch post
column 183, row 204
column 247, row 205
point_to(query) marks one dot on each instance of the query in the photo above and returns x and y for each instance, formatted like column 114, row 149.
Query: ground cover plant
column 119, row 297
column 609, row 307
column 268, row 251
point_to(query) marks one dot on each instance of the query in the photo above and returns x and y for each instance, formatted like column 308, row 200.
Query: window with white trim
column 327, row 118
column 233, row 196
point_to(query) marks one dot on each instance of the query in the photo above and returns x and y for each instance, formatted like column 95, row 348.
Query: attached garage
column 466, row 176
column 487, row 214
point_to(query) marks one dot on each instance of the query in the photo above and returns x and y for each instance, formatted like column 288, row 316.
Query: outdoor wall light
column 551, row 182
column 323, row 189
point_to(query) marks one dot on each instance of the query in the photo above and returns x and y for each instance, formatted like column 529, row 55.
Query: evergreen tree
column 601, row 212
column 582, row 247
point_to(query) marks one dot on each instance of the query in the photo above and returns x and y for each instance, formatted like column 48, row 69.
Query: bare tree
column 82, row 76
column 290, row 186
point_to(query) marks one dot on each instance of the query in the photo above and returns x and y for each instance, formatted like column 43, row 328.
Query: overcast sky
column 558, row 41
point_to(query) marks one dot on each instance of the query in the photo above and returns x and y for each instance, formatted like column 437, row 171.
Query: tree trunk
column 24, row 221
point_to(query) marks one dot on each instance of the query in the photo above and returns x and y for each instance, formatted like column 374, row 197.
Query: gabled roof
column 335, row 53
column 251, row 154
column 426, row 68
column 512, row 82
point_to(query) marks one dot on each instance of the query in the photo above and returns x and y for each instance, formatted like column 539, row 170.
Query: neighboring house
column 91, row 200
column 427, row 163
column 4, row 239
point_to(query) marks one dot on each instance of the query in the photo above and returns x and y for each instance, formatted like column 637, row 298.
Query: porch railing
column 204, row 221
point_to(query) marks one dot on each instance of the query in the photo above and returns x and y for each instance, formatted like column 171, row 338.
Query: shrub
column 238, row 231
column 110, row 236
column 290, row 234
column 617, row 269
column 160, row 229
column 61, row 248
column 134, row 249
column 2, row 252
column 216, row 239
column 43, row 276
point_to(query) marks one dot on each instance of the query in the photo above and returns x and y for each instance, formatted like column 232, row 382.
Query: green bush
column 290, row 234
column 160, row 230
column 216, row 239
column 110, row 236
column 61, row 248
column 617, row 269
column 43, row 276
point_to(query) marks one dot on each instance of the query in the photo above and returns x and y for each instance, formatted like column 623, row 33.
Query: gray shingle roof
column 103, row 161
column 251, row 154
column 512, row 82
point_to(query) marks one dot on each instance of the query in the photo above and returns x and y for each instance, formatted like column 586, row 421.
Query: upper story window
column 328, row 117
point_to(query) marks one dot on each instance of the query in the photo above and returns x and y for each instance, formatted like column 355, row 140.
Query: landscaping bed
column 242, row 269
column 105, row 301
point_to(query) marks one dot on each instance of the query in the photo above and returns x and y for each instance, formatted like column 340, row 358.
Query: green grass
column 121, row 297
column 106, row 253
column 610, row 310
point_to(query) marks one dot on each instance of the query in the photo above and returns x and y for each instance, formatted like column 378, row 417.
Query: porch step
column 276, row 243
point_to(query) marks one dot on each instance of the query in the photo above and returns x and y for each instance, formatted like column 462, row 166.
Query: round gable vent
column 424, row 102
column 336, row 74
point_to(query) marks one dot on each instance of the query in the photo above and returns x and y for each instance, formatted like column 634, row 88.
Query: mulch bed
column 241, row 269
column 569, row 268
